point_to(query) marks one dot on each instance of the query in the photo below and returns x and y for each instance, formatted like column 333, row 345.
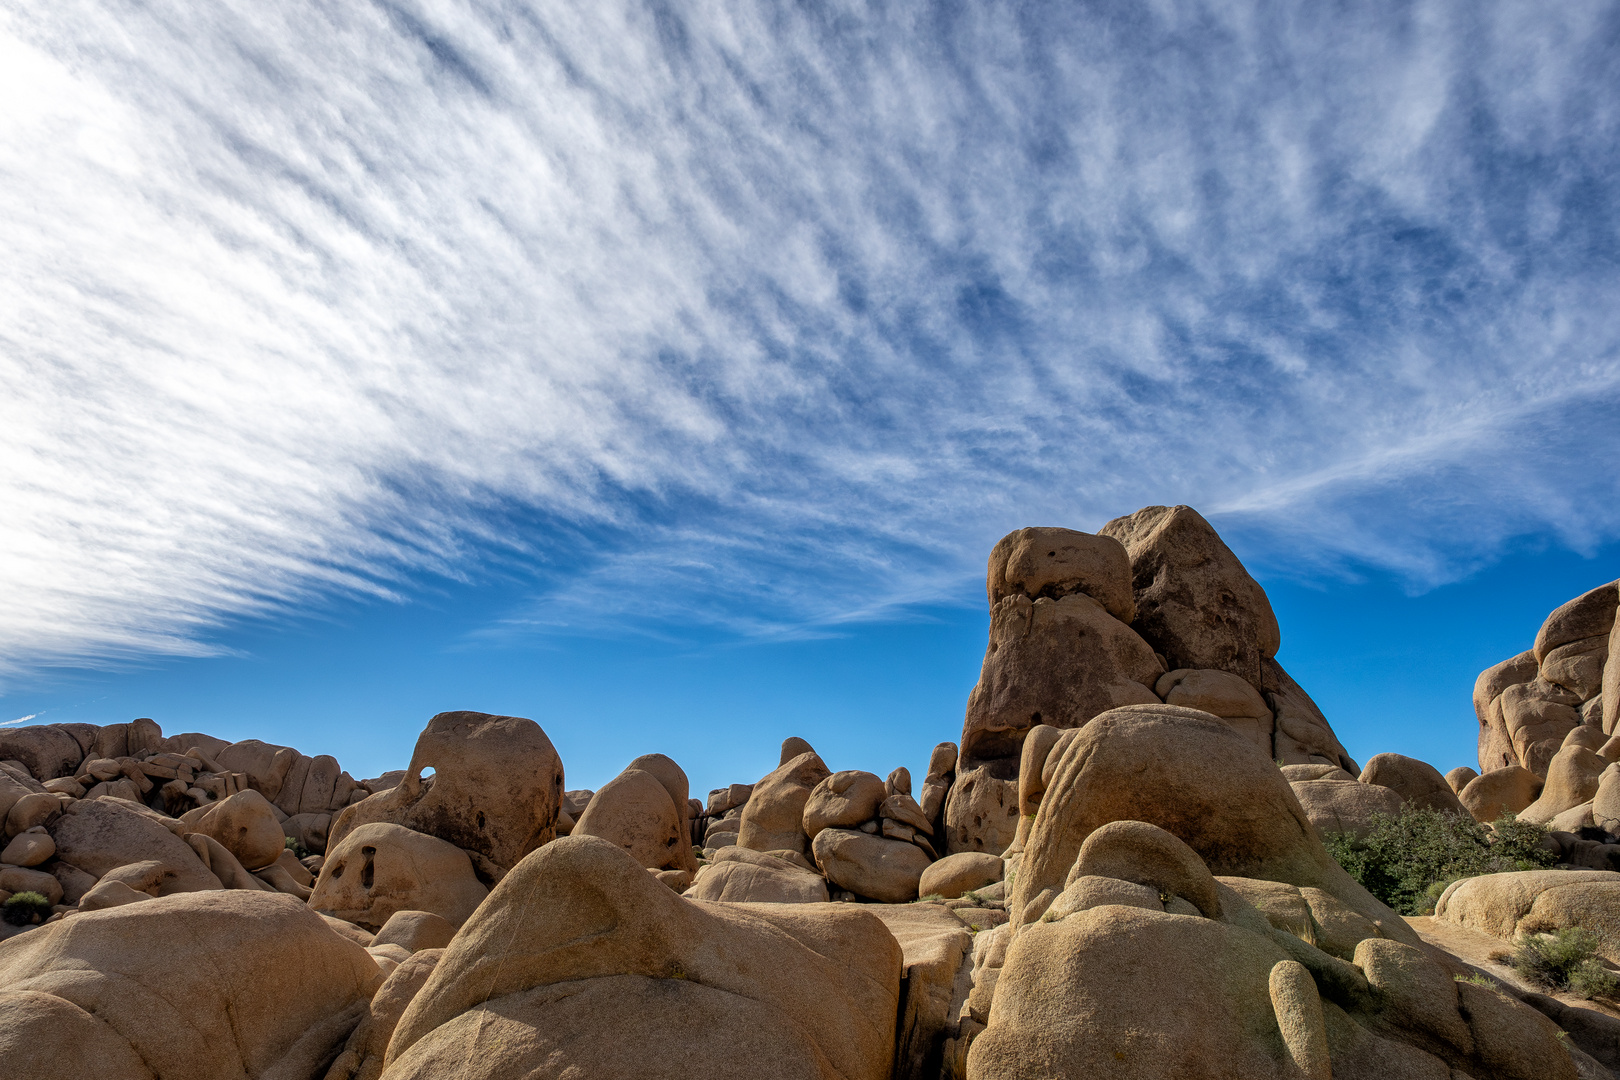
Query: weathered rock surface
column 1417, row 782
column 741, row 875
column 1345, row 806
column 1537, row 901
column 773, row 818
column 965, row 871
column 843, row 800
column 496, row 788
column 1055, row 563
column 202, row 986
column 245, row 823
column 635, row 811
column 380, row 869
column 1501, row 791
column 580, row 961
column 1195, row 601
column 867, row 865
column 100, row 835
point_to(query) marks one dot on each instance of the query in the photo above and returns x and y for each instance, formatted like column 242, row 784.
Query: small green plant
column 22, row 908
column 1564, row 960
column 299, row 850
column 1478, row 979
column 1408, row 859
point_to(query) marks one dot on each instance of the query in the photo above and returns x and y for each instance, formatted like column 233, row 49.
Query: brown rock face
column 1193, row 777
column 380, row 869
column 635, row 811
column 874, row 866
column 100, row 835
column 247, row 827
column 580, row 961
column 1057, row 662
column 1195, row 602
column 1417, row 782
column 1055, row 562
column 496, row 788
column 204, row 986
column 773, row 817
column 843, row 801
column 1505, row 790
column 47, row 751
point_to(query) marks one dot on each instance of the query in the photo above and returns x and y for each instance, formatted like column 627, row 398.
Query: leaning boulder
column 963, row 872
column 742, row 876
column 204, row 986
column 1195, row 602
column 1501, row 791
column 843, row 800
column 1418, row 783
column 580, row 961
column 773, row 817
column 635, row 811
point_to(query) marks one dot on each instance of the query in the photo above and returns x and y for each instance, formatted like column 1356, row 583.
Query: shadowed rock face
column 496, row 788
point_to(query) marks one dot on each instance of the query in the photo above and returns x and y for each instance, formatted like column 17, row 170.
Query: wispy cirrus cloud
column 781, row 315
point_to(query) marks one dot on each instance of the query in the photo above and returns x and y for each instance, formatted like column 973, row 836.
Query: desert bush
column 21, row 908
column 1565, row 960
column 1408, row 859
column 298, row 849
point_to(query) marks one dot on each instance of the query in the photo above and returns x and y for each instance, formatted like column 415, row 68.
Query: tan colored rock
column 415, row 931
column 16, row 879
column 1195, row 602
column 1337, row 806
column 1458, row 778
column 265, row 764
column 1221, row 694
column 1054, row 563
column 1298, row 1008
column 1606, row 803
column 497, row 786
column 74, row 1043
column 32, row 811
column 1572, row 779
column 1296, row 773
column 902, row 808
column 740, row 875
column 793, row 747
column 937, row 784
column 935, row 947
column 1589, row 615
column 379, row 869
column 1145, row 854
column 1536, row 901
column 1057, row 662
column 245, row 823
column 1501, row 791
column 982, row 811
column 1578, row 666
column 100, row 835
column 221, row 863
column 257, row 975
column 898, row 782
column 1417, row 782
column 965, row 871
column 309, row 829
column 279, row 878
column 12, row 792
column 843, row 800
column 588, row 964
column 634, row 810
column 46, row 751
column 872, row 866
column 1198, row 780
column 1495, row 747
column 1537, row 716
column 1573, row 820
column 1148, row 993
column 1611, row 687
column 773, row 818
column 367, row 1048
column 75, row 882
column 29, row 848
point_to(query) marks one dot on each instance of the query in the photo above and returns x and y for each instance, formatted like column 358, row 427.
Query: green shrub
column 1408, row 859
column 21, row 908
column 299, row 850
column 1565, row 960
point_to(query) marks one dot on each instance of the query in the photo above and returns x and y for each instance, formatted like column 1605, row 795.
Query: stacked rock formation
column 1153, row 608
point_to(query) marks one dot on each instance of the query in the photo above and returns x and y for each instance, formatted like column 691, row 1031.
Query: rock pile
column 1118, row 871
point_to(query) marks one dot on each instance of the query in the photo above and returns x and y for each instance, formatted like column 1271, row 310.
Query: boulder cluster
column 1118, row 870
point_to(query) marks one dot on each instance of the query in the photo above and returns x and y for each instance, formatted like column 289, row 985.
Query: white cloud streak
column 780, row 314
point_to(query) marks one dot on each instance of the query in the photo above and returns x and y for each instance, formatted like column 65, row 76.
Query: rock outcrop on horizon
column 1118, row 871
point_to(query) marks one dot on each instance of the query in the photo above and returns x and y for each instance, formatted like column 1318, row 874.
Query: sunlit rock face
column 1153, row 608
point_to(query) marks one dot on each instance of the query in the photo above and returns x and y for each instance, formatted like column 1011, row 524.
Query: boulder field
column 1116, row 870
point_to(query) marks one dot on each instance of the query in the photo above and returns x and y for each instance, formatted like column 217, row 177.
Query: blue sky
column 665, row 372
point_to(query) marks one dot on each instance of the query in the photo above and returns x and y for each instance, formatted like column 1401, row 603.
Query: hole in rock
column 368, row 872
